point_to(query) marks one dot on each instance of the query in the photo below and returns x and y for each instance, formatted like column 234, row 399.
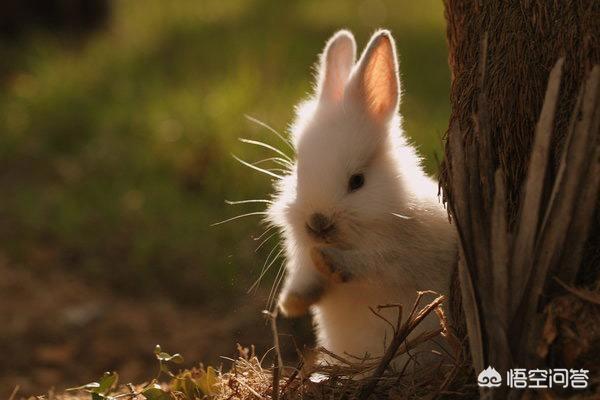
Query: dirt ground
column 58, row 332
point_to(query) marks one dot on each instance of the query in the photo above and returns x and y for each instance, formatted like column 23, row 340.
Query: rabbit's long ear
column 336, row 63
column 375, row 82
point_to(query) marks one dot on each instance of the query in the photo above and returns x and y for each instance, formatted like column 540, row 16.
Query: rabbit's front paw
column 327, row 267
column 295, row 304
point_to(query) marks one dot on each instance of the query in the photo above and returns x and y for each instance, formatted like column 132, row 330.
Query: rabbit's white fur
column 392, row 236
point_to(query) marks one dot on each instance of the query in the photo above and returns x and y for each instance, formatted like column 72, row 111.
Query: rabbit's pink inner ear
column 336, row 63
column 380, row 84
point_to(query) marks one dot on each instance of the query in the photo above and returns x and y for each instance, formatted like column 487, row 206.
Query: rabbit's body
column 391, row 274
column 361, row 221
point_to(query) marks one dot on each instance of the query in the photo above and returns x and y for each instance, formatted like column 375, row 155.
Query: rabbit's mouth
column 326, row 235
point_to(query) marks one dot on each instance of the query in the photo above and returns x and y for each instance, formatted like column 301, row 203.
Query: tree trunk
column 525, row 39
column 521, row 175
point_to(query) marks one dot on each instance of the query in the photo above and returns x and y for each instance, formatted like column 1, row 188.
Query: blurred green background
column 115, row 159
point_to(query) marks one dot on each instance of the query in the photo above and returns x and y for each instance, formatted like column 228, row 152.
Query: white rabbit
column 361, row 221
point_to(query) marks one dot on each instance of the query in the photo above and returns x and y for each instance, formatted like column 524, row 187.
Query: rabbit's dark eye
column 356, row 182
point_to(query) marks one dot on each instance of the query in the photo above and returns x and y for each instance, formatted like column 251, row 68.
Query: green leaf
column 108, row 380
column 207, row 382
column 99, row 390
column 165, row 368
column 99, row 396
column 186, row 385
column 156, row 392
column 176, row 358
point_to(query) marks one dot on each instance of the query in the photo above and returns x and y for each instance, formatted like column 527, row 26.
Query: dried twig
column 587, row 295
column 278, row 360
column 400, row 336
column 292, row 377
column 248, row 387
column 276, row 374
column 14, row 392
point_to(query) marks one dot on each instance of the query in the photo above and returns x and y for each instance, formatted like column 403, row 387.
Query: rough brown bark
column 504, row 57
column 525, row 38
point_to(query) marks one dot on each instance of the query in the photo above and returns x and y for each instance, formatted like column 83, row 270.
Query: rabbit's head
column 345, row 186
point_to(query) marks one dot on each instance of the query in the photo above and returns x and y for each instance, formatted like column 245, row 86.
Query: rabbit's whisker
column 265, row 270
column 270, row 228
column 234, row 202
column 239, row 216
column 283, row 171
column 266, row 146
column 270, row 129
column 257, row 281
column 278, row 160
column 401, row 216
column 254, row 167
column 265, row 241
column 276, row 284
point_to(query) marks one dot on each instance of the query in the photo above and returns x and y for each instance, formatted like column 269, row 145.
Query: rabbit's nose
column 319, row 224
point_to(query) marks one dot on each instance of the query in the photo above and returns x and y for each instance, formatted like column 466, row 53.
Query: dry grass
column 321, row 374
